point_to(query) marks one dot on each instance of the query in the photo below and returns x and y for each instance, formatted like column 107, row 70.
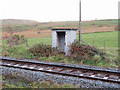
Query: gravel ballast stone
column 41, row 76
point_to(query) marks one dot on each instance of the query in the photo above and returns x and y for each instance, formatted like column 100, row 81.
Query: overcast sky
column 58, row 10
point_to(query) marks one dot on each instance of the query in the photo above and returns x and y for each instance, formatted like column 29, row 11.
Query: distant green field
column 102, row 22
column 45, row 40
column 110, row 38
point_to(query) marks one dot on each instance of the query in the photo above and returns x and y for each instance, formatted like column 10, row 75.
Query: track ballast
column 108, row 76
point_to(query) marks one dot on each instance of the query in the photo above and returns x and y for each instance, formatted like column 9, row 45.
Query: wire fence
column 45, row 36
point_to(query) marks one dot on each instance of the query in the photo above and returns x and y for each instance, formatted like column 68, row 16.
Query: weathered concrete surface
column 63, row 37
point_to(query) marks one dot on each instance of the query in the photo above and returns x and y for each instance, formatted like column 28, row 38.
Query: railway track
column 108, row 76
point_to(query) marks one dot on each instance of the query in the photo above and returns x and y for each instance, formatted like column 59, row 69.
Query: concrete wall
column 70, row 37
column 54, row 39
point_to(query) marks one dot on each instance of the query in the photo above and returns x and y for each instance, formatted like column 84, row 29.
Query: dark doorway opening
column 61, row 40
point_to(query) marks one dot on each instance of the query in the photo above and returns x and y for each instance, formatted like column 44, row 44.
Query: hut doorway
column 61, row 40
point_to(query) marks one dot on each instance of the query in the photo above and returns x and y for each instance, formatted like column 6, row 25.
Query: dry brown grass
column 97, row 29
column 31, row 33
column 43, row 33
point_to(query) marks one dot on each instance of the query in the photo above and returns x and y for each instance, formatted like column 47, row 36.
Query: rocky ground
column 41, row 76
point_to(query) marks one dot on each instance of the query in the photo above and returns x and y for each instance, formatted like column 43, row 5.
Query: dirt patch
column 31, row 33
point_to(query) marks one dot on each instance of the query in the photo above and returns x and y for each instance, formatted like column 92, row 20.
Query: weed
column 42, row 50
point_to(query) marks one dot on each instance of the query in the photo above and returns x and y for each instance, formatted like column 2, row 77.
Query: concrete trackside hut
column 62, row 38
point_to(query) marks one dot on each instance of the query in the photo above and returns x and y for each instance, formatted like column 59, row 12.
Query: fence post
column 104, row 45
column 26, row 42
column 46, row 42
column 93, row 43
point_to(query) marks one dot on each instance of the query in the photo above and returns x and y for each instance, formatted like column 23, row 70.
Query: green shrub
column 55, row 86
column 16, row 40
column 80, row 51
column 44, row 84
column 97, row 58
column 42, row 50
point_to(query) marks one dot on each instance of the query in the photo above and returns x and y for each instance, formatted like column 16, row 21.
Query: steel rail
column 10, row 59
column 63, row 68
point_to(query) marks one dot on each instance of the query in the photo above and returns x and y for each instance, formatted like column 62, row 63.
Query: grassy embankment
column 110, row 46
